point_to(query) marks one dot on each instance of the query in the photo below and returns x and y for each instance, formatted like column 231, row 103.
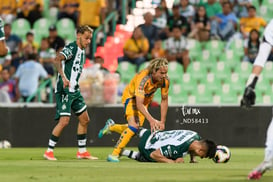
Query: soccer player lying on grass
column 171, row 146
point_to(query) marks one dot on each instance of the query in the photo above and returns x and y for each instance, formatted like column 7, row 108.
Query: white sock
column 269, row 143
column 49, row 150
column 82, row 145
column 51, row 145
column 82, row 150
column 130, row 153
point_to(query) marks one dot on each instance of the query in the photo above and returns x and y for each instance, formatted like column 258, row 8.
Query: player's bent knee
column 64, row 121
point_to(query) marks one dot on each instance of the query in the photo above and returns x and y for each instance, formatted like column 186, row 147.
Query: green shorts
column 141, row 147
column 67, row 101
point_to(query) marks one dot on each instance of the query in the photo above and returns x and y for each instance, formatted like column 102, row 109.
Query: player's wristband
column 252, row 80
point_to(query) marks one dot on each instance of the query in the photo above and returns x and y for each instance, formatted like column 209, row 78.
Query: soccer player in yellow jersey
column 136, row 97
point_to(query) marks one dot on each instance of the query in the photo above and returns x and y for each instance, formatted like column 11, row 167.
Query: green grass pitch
column 27, row 165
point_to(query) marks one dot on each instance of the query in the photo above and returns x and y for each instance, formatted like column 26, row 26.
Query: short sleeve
column 165, row 87
column 140, row 86
column 67, row 53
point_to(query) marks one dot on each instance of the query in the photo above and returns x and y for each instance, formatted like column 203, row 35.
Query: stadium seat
column 197, row 70
column 203, row 96
column 50, row 13
column 237, row 46
column 189, row 85
column 127, row 71
column 213, row 84
column 175, row 71
column 215, row 47
column 66, row 29
column 266, row 10
column 229, row 97
column 207, row 58
column 222, row 71
column 143, row 65
column 195, row 47
column 263, row 85
column 237, row 83
column 268, row 70
column 244, row 70
column 256, row 3
column 230, row 58
column 157, row 96
column 176, row 94
column 20, row 27
column 40, row 28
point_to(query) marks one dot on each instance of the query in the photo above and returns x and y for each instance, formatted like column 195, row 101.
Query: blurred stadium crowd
column 210, row 45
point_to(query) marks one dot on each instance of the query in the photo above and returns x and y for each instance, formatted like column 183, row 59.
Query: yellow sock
column 125, row 137
column 119, row 128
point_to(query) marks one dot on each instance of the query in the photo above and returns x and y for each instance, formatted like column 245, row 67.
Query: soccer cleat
column 105, row 129
column 260, row 170
column 254, row 175
column 86, row 155
column 112, row 158
column 49, row 156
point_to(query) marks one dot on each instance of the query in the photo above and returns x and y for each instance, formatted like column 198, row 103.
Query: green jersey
column 72, row 66
column 2, row 33
column 172, row 144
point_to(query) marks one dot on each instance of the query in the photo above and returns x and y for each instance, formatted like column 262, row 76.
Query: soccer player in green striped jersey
column 171, row 146
column 69, row 64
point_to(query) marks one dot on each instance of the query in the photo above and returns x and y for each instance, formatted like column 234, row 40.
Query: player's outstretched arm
column 164, row 109
column 140, row 106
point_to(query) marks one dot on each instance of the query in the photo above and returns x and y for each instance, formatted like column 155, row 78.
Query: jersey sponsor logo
column 77, row 66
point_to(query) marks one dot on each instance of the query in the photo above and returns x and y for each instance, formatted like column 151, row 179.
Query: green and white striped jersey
column 72, row 66
column 2, row 32
column 172, row 144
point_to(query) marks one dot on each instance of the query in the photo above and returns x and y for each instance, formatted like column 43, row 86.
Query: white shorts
column 268, row 33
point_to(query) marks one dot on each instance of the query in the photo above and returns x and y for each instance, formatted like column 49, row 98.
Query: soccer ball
column 4, row 144
column 222, row 154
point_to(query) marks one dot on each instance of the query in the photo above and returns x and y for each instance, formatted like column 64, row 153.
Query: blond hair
column 84, row 28
column 156, row 64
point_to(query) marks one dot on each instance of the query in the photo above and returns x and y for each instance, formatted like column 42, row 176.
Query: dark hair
column 249, row 38
column 31, row 56
column 197, row 17
column 227, row 2
column 29, row 34
column 176, row 26
column 211, row 148
column 98, row 57
column 251, row 7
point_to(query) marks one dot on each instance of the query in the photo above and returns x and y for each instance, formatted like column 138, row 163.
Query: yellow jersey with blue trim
column 142, row 85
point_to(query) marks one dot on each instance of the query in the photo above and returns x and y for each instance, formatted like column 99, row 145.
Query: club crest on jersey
column 63, row 107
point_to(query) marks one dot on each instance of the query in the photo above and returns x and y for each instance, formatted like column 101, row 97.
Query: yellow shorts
column 131, row 111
